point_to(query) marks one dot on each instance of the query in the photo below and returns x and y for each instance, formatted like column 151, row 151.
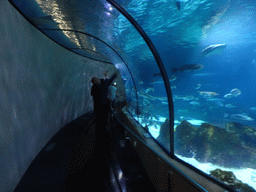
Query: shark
column 213, row 49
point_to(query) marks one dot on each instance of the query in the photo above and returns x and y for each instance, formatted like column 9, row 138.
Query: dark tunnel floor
column 76, row 160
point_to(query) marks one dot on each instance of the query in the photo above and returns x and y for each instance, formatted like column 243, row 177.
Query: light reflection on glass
column 51, row 8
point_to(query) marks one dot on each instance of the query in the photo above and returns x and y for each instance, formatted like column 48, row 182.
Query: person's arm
column 112, row 78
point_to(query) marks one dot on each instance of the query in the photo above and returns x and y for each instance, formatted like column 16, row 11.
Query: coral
column 164, row 136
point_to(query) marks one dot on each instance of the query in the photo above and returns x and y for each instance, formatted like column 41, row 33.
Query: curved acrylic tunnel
column 43, row 87
column 45, row 81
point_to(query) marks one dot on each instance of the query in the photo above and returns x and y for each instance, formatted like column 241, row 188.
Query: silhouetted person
column 96, row 94
column 99, row 92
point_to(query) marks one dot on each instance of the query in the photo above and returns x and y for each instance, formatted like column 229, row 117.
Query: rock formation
column 230, row 179
column 234, row 146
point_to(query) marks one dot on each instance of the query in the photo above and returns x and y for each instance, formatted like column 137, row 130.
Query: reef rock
column 207, row 143
column 230, row 179
column 246, row 133
column 164, row 136
column 185, row 135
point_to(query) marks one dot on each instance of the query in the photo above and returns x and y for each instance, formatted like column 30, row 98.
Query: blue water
column 180, row 36
column 233, row 68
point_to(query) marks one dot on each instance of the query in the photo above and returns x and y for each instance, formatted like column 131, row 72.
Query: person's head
column 95, row 80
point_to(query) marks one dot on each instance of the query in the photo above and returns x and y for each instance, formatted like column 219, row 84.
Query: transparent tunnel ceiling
column 209, row 52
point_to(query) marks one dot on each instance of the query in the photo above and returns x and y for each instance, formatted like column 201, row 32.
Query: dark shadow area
column 48, row 170
column 129, row 162
column 79, row 158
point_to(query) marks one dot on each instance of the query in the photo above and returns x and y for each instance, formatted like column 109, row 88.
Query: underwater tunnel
column 184, row 115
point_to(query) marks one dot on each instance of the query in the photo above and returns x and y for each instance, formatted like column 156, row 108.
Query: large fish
column 213, row 49
column 188, row 67
column 242, row 116
column 207, row 94
column 215, row 17
column 172, row 78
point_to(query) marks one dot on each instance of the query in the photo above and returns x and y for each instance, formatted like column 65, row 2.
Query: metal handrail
column 138, row 138
column 212, row 179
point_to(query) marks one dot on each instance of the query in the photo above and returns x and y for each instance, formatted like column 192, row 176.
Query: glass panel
column 153, row 106
column 130, row 88
column 81, row 43
column 212, row 86
column 214, row 112
column 90, row 17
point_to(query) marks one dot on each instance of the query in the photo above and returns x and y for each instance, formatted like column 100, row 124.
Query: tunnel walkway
column 75, row 159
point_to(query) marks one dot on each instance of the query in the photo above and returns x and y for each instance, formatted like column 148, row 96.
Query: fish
column 196, row 121
column 214, row 19
column 188, row 67
column 213, row 49
column 198, row 86
column 203, row 74
column 188, row 98
column 146, row 96
column 155, row 82
column 230, row 106
column 185, row 98
column 162, row 98
column 219, row 103
column 226, row 115
column 194, row 103
column 215, row 100
column 253, row 108
column 242, row 116
column 235, row 92
column 228, row 96
column 207, row 94
column 149, row 89
column 172, row 78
